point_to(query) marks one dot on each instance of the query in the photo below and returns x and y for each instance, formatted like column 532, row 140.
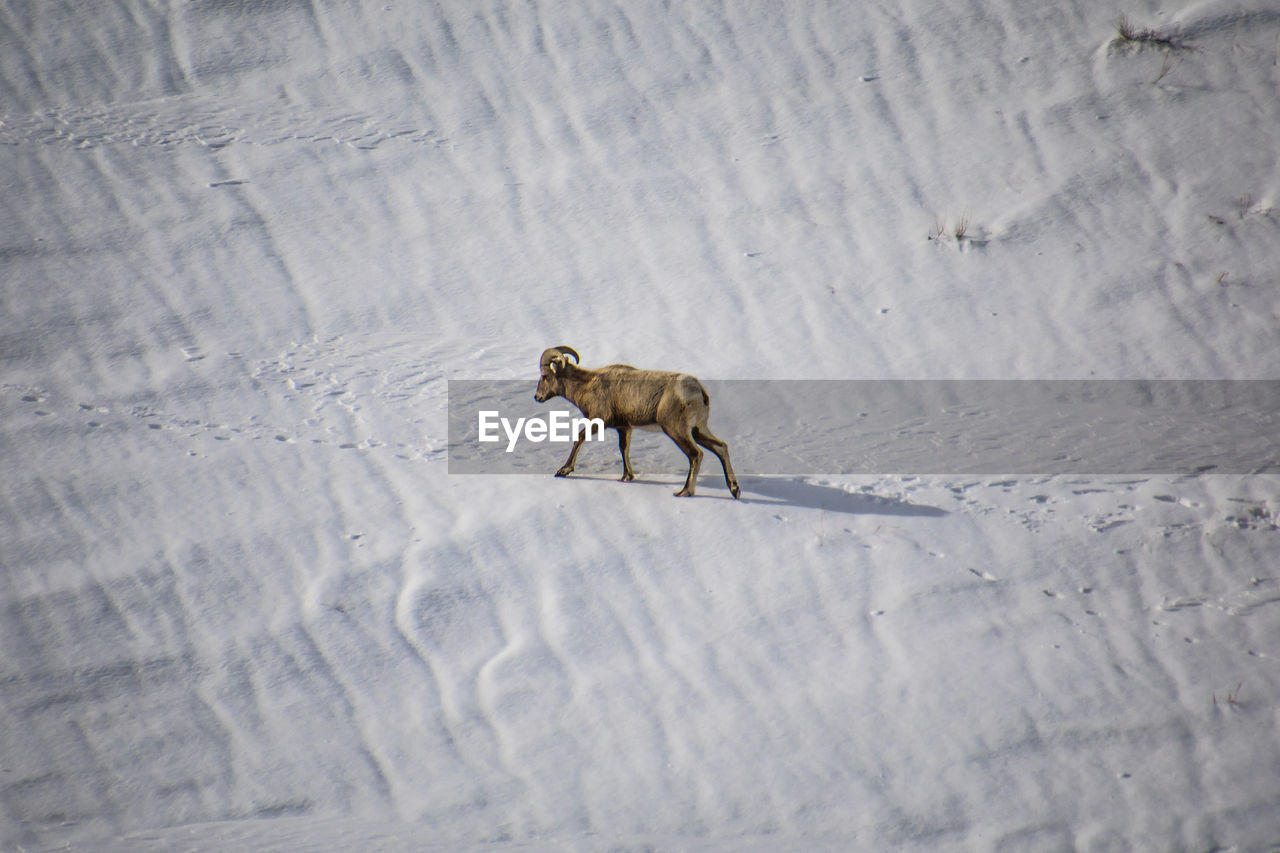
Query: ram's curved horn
column 556, row 354
column 548, row 355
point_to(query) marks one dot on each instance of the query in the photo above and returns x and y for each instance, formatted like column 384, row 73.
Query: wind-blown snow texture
column 245, row 245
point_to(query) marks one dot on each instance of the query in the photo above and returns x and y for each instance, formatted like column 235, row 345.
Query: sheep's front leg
column 624, row 444
column 567, row 468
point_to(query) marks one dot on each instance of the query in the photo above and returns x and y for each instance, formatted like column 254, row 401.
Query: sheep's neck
column 575, row 382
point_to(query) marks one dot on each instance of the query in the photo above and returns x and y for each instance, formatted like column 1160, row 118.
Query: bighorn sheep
column 624, row 397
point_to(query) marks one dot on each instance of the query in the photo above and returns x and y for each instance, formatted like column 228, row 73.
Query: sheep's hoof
column 735, row 490
column 684, row 493
column 564, row 472
column 627, row 478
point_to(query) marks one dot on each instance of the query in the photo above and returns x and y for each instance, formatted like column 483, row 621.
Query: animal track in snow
column 333, row 398
column 1259, row 593
column 1254, row 518
column 207, row 122
column 1103, row 523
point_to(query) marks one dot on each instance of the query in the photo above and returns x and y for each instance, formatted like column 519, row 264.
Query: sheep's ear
column 554, row 366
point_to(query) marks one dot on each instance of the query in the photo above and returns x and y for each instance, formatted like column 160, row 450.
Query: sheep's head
column 551, row 368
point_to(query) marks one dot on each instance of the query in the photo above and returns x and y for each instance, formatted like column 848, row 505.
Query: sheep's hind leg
column 685, row 443
column 721, row 450
column 624, row 444
column 567, row 468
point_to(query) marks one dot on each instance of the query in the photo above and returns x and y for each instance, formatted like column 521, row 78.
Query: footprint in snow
column 1183, row 603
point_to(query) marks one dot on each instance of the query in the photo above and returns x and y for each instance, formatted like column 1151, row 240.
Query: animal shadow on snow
column 791, row 491
column 794, row 491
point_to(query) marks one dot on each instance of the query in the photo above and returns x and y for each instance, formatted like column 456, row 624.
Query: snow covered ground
column 244, row 247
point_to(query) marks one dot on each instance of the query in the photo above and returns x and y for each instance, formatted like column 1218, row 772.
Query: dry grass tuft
column 1129, row 35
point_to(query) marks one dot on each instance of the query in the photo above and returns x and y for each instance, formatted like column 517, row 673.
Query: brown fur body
column 625, row 398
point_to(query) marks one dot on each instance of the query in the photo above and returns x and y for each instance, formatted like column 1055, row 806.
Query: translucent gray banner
column 817, row 427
